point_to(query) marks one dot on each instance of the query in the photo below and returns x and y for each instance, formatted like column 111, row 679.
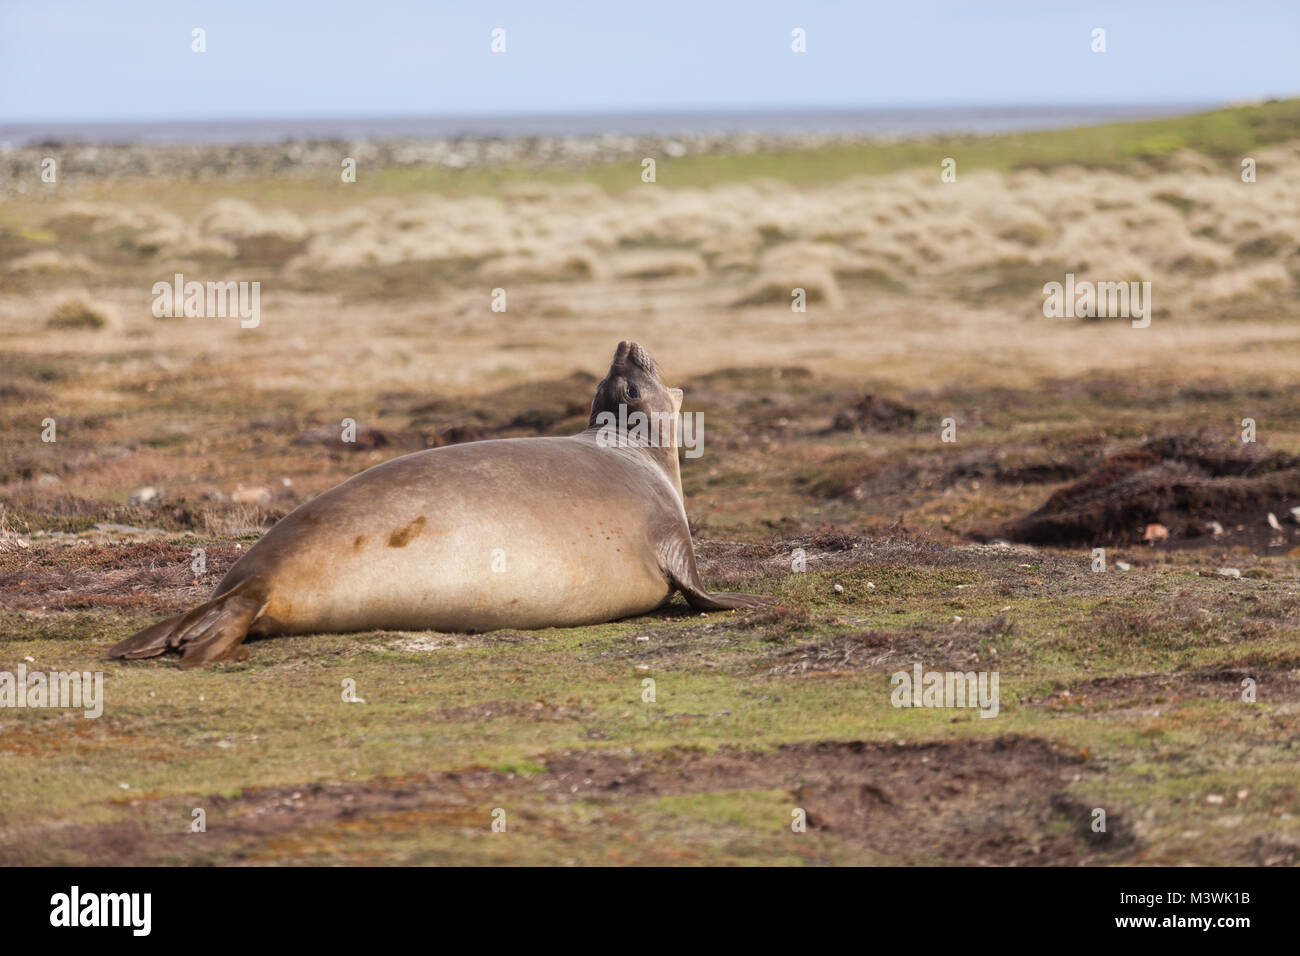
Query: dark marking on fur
column 403, row 536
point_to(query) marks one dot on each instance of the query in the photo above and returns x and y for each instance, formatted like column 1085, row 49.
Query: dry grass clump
column 1247, row 283
column 76, row 313
column 778, row 288
column 235, row 219
column 575, row 265
column 100, row 217
column 656, row 264
column 52, row 262
column 237, row 520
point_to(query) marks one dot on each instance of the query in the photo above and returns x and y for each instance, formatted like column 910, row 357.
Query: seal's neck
column 663, row 452
column 670, row 462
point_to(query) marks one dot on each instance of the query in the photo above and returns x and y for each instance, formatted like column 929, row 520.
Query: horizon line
column 651, row 112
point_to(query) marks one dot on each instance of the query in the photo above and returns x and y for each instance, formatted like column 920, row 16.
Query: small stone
column 1214, row 528
column 143, row 496
column 1273, row 522
column 1154, row 533
column 1229, row 573
column 1213, row 798
column 250, row 496
column 118, row 528
column 839, row 589
column 1123, row 565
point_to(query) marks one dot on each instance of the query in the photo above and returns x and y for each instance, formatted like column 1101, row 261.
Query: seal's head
column 633, row 381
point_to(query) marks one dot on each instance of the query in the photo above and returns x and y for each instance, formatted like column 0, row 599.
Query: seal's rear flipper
column 723, row 600
column 150, row 642
column 677, row 558
column 211, row 632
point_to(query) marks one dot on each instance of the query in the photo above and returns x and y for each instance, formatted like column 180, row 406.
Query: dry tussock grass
column 1194, row 228
column 78, row 313
column 1191, row 228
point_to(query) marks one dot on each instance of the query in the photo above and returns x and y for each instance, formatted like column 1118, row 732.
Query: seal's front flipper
column 211, row 632
column 677, row 558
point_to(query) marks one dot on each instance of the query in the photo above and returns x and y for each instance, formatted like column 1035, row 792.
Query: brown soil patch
column 875, row 413
column 1181, row 482
column 953, row 646
column 145, row 575
column 1161, row 690
column 995, row 801
column 367, row 439
column 557, row 406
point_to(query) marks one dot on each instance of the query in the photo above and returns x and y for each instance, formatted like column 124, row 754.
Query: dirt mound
column 557, row 406
column 874, row 413
column 1120, row 691
column 365, row 439
column 151, row 576
column 1189, row 485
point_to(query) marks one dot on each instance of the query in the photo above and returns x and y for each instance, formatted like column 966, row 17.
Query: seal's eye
column 633, row 391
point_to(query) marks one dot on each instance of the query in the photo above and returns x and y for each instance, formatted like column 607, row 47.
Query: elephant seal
column 514, row 532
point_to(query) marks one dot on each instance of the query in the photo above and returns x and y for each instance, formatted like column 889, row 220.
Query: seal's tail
column 213, row 631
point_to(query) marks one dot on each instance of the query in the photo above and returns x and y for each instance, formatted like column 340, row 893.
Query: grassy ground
column 1120, row 691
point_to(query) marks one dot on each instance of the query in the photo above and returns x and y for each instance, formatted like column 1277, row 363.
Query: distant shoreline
column 848, row 123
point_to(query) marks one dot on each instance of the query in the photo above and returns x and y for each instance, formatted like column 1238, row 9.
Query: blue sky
column 67, row 60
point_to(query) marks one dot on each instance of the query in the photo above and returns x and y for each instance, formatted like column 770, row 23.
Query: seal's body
column 523, row 532
column 517, row 532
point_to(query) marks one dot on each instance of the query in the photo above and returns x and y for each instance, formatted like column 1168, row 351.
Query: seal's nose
column 641, row 358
